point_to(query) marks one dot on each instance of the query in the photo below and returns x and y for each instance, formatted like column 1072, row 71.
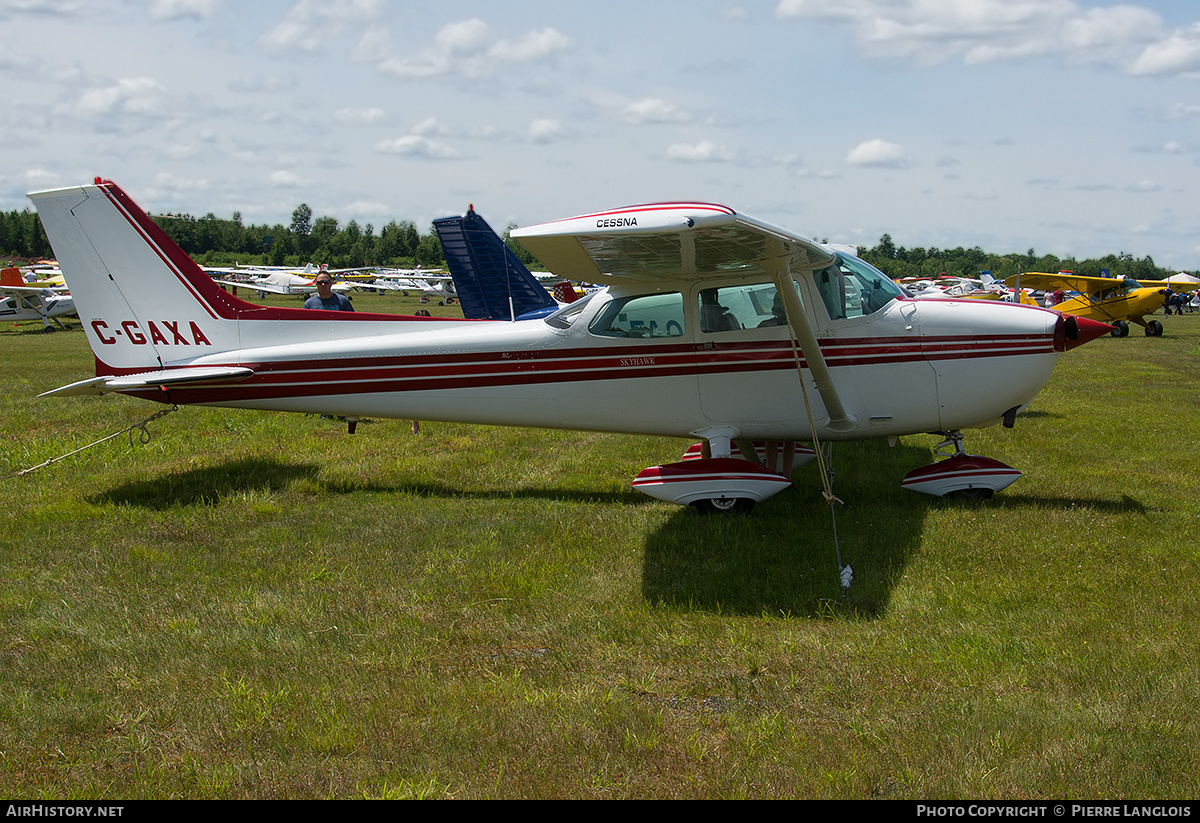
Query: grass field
column 257, row 605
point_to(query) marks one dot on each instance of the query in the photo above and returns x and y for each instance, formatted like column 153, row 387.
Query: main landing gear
column 720, row 477
column 1153, row 328
column 962, row 476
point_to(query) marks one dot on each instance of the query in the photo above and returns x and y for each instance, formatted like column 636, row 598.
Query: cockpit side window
column 854, row 288
column 646, row 315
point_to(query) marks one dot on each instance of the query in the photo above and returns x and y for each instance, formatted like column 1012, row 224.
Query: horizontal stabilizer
column 149, row 380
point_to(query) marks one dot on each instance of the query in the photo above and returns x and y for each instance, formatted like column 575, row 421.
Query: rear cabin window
column 740, row 307
column 647, row 315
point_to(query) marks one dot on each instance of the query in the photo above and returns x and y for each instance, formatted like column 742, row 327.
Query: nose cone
column 1079, row 330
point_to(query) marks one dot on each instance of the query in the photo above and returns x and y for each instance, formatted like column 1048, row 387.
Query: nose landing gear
column 961, row 476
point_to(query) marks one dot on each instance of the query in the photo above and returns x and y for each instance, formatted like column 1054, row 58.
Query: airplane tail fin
column 11, row 277
column 491, row 283
column 142, row 301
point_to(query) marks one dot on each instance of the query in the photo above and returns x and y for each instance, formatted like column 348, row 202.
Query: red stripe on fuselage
column 424, row 372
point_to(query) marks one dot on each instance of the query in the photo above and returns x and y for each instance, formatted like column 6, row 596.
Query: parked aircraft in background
column 20, row 300
column 432, row 284
column 713, row 326
column 984, row 287
column 1116, row 301
column 277, row 281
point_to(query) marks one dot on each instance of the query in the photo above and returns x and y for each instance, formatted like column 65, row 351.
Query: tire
column 969, row 494
column 724, row 505
column 1120, row 329
column 1154, row 329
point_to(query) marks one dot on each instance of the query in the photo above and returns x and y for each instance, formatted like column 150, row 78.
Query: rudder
column 142, row 301
column 491, row 283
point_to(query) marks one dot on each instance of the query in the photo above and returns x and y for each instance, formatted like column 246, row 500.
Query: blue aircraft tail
column 491, row 283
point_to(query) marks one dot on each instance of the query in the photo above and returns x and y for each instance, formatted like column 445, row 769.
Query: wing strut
column 839, row 419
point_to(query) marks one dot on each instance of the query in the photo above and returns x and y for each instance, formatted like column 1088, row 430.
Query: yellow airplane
column 1116, row 301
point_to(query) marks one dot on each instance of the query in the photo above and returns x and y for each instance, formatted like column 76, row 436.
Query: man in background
column 325, row 298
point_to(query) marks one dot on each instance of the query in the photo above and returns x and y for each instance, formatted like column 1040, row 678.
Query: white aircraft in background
column 984, row 287
column 20, row 300
column 713, row 326
column 432, row 284
column 277, row 281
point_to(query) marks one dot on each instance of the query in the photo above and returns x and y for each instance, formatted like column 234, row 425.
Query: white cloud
column 706, row 151
column 310, row 24
column 179, row 9
column 428, row 126
column 1175, row 54
column 358, row 117
column 1144, row 186
column 132, row 95
column 49, row 7
column 469, row 48
column 537, row 45
column 653, row 110
column 545, row 130
column 416, row 146
column 877, row 153
column 369, row 209
column 462, row 38
column 284, row 179
column 38, row 177
column 982, row 31
column 173, row 183
column 1183, row 110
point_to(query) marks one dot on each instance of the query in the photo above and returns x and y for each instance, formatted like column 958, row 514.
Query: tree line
column 212, row 241
column 900, row 263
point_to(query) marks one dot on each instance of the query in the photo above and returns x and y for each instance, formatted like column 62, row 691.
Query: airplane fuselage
column 666, row 356
column 912, row 366
column 1133, row 304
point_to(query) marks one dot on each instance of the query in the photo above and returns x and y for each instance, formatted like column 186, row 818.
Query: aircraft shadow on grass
column 212, row 484
column 780, row 559
column 783, row 558
column 209, row 485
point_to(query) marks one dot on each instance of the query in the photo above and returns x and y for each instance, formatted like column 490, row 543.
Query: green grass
column 259, row 605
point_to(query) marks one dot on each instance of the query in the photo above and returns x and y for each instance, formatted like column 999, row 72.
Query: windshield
column 853, row 288
column 564, row 317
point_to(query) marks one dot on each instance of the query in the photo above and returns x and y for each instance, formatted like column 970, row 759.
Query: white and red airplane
column 713, row 326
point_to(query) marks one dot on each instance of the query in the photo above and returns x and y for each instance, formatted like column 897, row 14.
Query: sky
column 1064, row 126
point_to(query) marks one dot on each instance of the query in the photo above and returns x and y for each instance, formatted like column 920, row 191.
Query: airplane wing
column 666, row 241
column 271, row 288
column 26, row 290
column 1070, row 282
column 1173, row 285
column 673, row 242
